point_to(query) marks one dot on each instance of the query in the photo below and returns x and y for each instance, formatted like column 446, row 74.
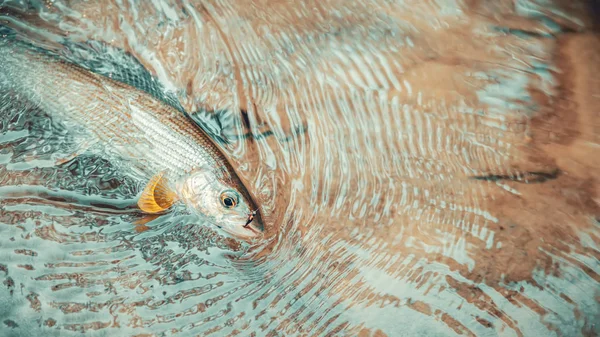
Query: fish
column 182, row 163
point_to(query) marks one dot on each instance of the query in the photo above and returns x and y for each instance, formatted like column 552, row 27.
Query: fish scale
column 105, row 107
column 155, row 138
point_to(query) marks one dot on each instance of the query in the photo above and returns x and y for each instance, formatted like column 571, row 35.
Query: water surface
column 424, row 168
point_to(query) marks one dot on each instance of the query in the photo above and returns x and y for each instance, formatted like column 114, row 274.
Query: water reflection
column 443, row 182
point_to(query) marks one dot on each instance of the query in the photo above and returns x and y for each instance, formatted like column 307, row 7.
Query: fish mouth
column 252, row 229
column 251, row 216
column 243, row 228
column 243, row 232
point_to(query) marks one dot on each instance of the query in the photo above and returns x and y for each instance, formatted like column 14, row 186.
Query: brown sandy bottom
column 445, row 182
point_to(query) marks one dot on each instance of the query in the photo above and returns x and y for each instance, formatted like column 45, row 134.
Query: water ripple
column 424, row 168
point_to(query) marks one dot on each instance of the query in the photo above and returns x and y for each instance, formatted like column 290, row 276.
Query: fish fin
column 66, row 159
column 145, row 219
column 141, row 228
column 157, row 196
column 141, row 224
column 81, row 148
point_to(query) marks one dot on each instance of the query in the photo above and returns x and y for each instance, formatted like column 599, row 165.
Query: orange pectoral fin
column 157, row 196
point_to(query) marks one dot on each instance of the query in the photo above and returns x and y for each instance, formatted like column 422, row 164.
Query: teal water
column 385, row 140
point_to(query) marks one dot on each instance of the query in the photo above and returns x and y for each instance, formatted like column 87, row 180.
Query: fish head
column 224, row 200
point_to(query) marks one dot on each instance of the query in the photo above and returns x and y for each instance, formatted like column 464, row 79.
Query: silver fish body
column 128, row 123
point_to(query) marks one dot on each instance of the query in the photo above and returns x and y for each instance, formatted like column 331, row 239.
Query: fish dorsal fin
column 157, row 196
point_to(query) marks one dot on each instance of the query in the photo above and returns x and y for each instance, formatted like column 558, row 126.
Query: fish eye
column 229, row 199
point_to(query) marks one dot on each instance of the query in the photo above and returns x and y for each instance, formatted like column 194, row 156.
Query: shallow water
column 423, row 168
